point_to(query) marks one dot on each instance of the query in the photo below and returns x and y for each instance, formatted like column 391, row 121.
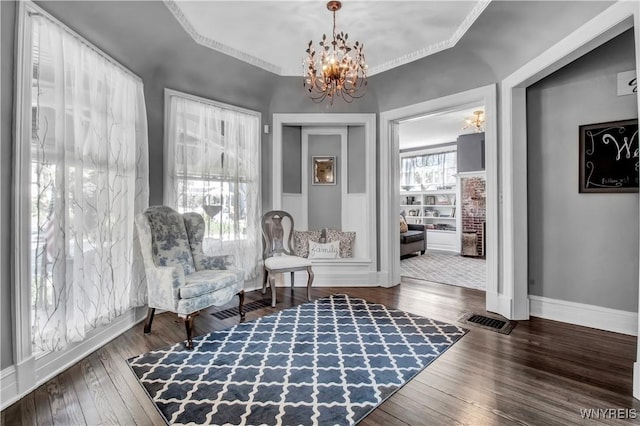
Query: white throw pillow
column 324, row 251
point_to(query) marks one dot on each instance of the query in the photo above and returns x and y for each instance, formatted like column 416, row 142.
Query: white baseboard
column 384, row 279
column 499, row 304
column 608, row 319
column 8, row 387
column 52, row 364
column 335, row 279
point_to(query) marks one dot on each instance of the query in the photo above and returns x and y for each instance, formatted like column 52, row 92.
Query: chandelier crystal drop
column 339, row 71
column 476, row 122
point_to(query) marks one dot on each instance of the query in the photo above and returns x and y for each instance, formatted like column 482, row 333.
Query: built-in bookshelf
column 437, row 210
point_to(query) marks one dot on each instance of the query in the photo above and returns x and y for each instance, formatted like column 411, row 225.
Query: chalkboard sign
column 609, row 157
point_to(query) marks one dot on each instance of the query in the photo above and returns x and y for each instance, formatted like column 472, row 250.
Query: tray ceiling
column 274, row 35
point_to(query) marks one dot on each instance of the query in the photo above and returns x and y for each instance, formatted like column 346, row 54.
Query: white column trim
column 304, row 178
column 22, row 195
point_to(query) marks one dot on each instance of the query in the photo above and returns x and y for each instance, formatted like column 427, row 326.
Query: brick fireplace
column 473, row 208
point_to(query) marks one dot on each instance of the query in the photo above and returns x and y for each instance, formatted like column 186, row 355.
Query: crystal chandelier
column 340, row 71
column 477, row 122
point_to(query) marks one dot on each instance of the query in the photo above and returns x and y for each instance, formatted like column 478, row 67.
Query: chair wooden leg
column 309, row 282
column 241, row 305
column 147, row 325
column 293, row 279
column 272, row 283
column 188, row 325
column 264, row 281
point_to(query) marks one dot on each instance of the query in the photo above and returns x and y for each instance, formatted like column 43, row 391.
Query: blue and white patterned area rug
column 331, row 361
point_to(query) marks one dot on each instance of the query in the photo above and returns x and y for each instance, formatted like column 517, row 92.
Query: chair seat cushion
column 286, row 262
column 208, row 281
column 411, row 236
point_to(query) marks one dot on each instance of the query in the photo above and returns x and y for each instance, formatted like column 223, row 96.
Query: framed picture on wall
column 323, row 170
column 609, row 160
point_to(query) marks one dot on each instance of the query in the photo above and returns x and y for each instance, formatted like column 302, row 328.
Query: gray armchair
column 414, row 240
column 180, row 277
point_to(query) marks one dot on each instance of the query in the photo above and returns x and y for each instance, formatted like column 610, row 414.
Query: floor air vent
column 248, row 307
column 503, row 326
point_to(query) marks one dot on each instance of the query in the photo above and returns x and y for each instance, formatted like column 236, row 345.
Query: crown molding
column 173, row 6
column 436, row 47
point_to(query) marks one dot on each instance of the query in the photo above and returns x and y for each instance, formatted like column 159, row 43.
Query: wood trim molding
column 599, row 317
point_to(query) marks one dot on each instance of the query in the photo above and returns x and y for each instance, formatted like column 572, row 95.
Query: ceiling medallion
column 476, row 122
column 340, row 71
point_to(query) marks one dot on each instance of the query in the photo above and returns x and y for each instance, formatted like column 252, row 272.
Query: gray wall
column 291, row 153
column 289, row 97
column 356, row 153
column 7, row 28
column 325, row 201
column 582, row 247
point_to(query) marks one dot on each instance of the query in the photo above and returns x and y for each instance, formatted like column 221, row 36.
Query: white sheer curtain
column 213, row 168
column 89, row 178
column 429, row 171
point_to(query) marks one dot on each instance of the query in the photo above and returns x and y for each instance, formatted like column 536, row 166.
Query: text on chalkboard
column 609, row 157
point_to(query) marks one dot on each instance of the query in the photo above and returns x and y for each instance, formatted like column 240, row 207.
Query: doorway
column 443, row 197
column 390, row 182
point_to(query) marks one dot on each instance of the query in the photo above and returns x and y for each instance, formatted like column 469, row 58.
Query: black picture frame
column 608, row 157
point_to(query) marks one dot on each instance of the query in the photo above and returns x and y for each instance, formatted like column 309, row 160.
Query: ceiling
column 274, row 35
column 436, row 128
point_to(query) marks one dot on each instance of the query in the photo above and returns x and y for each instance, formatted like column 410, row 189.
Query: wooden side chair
column 277, row 239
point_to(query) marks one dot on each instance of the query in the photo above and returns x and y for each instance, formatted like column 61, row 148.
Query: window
column 212, row 167
column 83, row 162
column 430, row 171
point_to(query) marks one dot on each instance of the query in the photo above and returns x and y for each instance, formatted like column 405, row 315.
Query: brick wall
column 473, row 205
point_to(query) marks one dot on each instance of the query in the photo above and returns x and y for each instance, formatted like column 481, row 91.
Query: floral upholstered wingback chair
column 180, row 277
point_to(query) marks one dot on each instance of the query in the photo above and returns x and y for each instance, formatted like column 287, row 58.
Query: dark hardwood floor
column 543, row 373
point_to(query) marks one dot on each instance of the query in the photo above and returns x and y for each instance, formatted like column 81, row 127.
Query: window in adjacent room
column 428, row 171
